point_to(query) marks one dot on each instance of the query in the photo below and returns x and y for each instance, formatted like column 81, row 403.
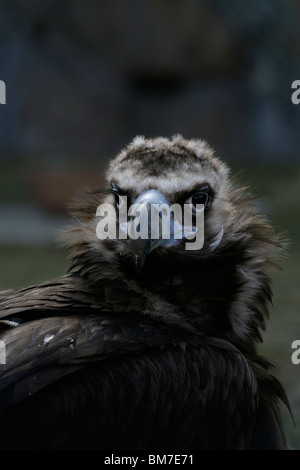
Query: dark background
column 84, row 77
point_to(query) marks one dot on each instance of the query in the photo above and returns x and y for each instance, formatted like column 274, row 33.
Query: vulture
column 148, row 341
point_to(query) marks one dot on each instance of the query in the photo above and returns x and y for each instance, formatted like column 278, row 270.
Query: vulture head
column 149, row 342
column 220, row 288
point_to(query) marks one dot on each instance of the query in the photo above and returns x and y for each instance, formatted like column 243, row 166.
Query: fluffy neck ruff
column 224, row 292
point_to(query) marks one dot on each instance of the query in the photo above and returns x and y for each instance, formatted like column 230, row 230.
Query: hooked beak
column 155, row 224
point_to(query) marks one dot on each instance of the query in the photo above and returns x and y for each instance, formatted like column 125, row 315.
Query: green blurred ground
column 279, row 188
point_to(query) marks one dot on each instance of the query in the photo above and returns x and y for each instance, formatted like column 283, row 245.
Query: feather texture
column 106, row 357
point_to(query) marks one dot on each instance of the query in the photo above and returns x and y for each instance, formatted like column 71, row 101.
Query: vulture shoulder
column 76, row 376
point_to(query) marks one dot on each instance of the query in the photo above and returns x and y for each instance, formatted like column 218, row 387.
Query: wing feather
column 77, row 376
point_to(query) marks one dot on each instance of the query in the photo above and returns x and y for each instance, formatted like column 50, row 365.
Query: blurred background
column 83, row 78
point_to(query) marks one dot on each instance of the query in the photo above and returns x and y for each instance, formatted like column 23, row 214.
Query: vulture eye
column 114, row 189
column 201, row 197
column 117, row 192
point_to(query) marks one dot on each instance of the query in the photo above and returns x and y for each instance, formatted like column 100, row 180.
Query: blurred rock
column 29, row 225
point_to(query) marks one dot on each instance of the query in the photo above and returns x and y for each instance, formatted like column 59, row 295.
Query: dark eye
column 114, row 189
column 202, row 197
column 115, row 192
column 119, row 194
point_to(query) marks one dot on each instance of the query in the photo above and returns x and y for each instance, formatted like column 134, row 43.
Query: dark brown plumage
column 160, row 357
